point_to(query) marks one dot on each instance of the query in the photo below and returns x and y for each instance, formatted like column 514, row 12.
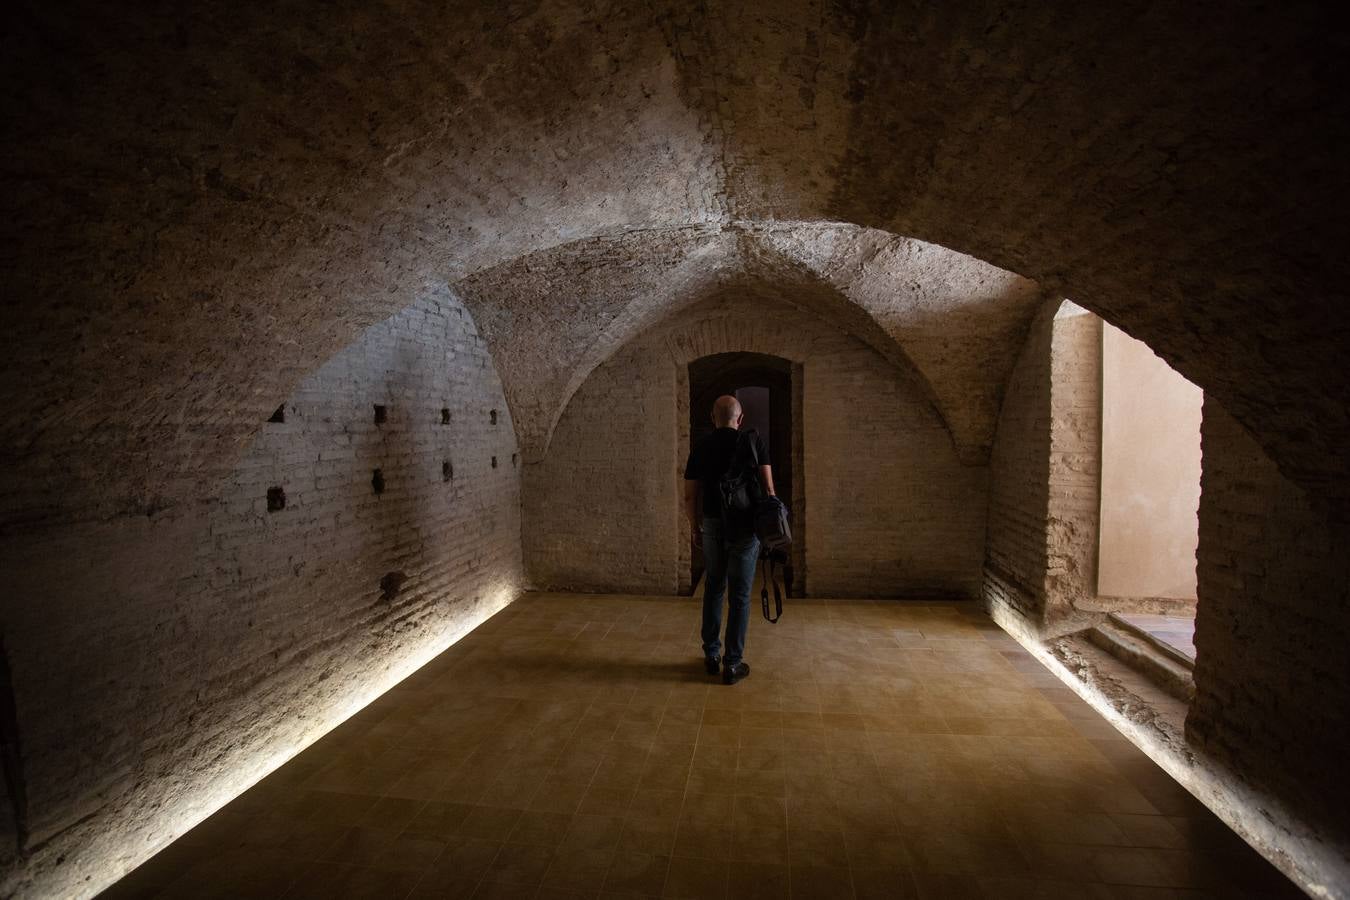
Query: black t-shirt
column 710, row 459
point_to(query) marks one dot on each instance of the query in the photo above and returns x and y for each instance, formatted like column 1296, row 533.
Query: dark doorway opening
column 769, row 390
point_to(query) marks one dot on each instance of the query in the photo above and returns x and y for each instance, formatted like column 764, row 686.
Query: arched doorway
column 769, row 388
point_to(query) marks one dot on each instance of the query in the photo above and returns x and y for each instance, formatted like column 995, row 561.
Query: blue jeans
column 727, row 564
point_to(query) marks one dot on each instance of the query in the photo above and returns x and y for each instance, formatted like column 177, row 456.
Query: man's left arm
column 766, row 479
column 766, row 469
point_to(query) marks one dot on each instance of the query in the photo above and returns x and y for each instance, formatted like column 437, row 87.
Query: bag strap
column 767, row 562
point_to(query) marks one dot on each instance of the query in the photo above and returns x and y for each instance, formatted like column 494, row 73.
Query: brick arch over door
column 722, row 329
column 909, row 525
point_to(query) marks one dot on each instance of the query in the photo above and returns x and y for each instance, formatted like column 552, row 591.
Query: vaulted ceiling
column 203, row 203
column 948, row 321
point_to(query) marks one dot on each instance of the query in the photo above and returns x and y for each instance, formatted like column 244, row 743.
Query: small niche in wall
column 492, row 417
column 381, row 414
column 276, row 499
column 445, row 415
column 515, row 459
column 447, row 471
column 494, row 462
column 377, row 481
column 279, row 415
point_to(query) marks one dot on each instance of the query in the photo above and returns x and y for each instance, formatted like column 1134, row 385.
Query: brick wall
column 601, row 509
column 892, row 511
column 1045, row 472
column 1016, row 553
column 1272, row 626
column 162, row 663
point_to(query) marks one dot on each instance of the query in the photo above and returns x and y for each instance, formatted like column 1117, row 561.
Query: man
column 730, row 548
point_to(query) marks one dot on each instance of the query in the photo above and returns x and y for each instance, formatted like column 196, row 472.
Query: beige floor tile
column 820, row 883
column 582, row 870
column 634, row 874
column 654, row 837
column 656, row 803
column 380, row 848
column 540, row 827
column 696, row 879
column 702, row 841
column 592, row 833
column 325, row 881
column 817, row 848
column 758, row 881
column 520, row 864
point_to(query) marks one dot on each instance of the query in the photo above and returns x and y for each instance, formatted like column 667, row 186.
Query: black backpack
column 739, row 486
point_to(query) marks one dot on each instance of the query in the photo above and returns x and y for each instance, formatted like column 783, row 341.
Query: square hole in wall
column 381, row 414
column 447, row 471
column 492, row 417
column 279, row 415
column 377, row 481
column 445, row 415
column 276, row 499
column 494, row 462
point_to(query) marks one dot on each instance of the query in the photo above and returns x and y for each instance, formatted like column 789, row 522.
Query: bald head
column 726, row 412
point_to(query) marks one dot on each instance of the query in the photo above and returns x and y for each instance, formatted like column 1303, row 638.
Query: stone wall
column 892, row 511
column 1075, row 459
column 162, row 663
column 1044, row 474
column 1272, row 626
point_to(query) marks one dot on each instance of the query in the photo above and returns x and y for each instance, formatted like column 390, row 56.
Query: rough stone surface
column 1075, row 459
column 238, row 192
column 1271, row 678
column 162, row 663
column 903, row 518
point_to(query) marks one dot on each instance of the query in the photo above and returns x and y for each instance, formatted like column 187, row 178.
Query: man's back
column 710, row 459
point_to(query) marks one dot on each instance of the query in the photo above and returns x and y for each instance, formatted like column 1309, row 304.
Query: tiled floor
column 1175, row 631
column 573, row 747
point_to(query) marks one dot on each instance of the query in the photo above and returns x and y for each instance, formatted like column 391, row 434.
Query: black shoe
column 712, row 664
column 733, row 674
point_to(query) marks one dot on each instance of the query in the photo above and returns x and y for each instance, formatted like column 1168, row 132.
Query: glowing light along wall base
column 195, row 804
column 1262, row 821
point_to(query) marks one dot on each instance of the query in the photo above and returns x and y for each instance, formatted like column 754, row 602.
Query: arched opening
column 769, row 388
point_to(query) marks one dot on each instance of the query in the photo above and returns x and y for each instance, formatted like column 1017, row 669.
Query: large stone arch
column 203, row 205
column 263, row 186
